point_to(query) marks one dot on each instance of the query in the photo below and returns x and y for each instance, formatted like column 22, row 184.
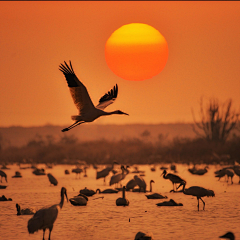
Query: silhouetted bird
column 45, row 217
column 87, row 111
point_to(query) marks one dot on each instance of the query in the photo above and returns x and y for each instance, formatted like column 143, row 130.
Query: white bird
column 122, row 201
column 87, row 111
column 24, row 211
column 45, row 217
column 198, row 192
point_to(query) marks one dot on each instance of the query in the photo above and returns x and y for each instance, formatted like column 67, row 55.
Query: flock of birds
column 45, row 217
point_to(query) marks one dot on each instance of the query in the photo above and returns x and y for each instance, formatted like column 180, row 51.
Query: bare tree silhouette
column 217, row 121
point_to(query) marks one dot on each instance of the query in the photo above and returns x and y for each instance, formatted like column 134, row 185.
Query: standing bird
column 198, row 192
column 228, row 235
column 25, row 211
column 118, row 177
column 52, row 179
column 87, row 111
column 3, row 174
column 122, row 201
column 173, row 178
column 45, row 217
column 225, row 172
column 142, row 189
column 104, row 172
column 77, row 170
column 131, row 184
column 236, row 169
column 140, row 182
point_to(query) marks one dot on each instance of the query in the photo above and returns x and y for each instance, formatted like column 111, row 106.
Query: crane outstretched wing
column 78, row 91
column 108, row 98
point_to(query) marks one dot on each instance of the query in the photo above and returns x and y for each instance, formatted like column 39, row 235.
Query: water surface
column 102, row 219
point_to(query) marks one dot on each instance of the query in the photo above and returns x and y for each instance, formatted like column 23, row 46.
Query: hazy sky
column 204, row 56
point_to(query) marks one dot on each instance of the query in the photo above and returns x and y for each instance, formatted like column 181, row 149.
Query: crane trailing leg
column 72, row 126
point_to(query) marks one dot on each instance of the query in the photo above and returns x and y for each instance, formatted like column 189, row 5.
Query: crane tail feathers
column 76, row 118
column 34, row 224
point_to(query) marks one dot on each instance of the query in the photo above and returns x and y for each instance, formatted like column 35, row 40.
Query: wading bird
column 236, row 169
column 225, row 172
column 143, row 189
column 45, row 217
column 131, row 184
column 122, row 201
column 104, row 172
column 173, row 178
column 78, row 171
column 228, row 235
column 198, row 192
column 87, row 111
column 140, row 182
column 3, row 174
column 118, row 177
column 25, row 211
column 52, row 179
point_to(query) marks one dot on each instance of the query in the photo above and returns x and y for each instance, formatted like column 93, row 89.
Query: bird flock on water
column 44, row 218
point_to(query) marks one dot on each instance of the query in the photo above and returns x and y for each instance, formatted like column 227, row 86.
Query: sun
column 136, row 52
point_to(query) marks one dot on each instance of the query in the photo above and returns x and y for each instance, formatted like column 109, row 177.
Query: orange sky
column 204, row 55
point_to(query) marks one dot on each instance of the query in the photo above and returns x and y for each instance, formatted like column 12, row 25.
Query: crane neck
column 123, row 193
column 98, row 191
column 150, row 186
column 62, row 201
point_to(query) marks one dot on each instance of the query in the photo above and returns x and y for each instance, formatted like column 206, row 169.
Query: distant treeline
column 69, row 150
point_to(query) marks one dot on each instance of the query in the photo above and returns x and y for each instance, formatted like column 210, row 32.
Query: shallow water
column 102, row 219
